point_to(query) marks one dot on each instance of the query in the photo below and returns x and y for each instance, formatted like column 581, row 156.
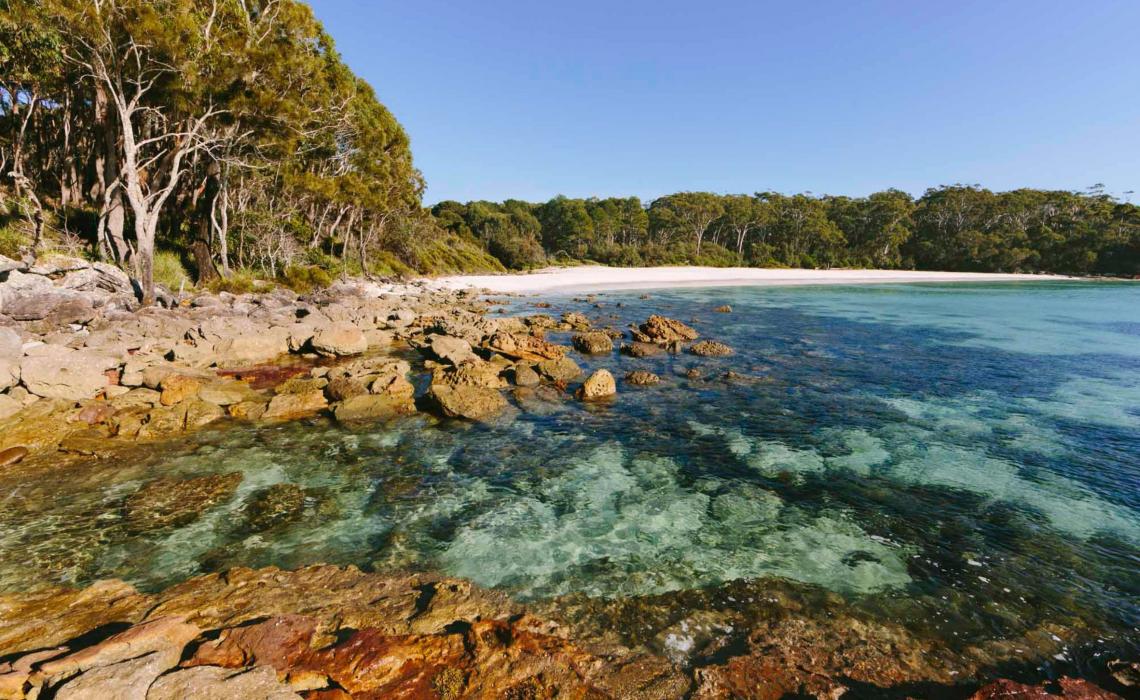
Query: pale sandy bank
column 597, row 278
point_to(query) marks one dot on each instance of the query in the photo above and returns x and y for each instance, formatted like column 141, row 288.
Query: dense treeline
column 228, row 131
column 948, row 228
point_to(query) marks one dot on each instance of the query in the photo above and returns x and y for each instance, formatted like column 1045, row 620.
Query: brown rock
column 725, row 309
column 200, row 413
column 659, row 329
column 340, row 339
column 214, row 683
column 576, row 321
column 343, row 388
column 561, row 370
column 301, row 385
column 176, row 388
column 636, row 349
column 13, row 455
column 274, row 505
column 159, row 634
column 285, row 406
column 1070, row 688
column 125, row 680
column 642, row 378
column 596, row 343
column 525, row 347
column 476, row 373
column 172, row 503
column 710, row 348
column 526, row 376
column 470, row 402
column 599, row 385
column 372, row 407
column 248, row 410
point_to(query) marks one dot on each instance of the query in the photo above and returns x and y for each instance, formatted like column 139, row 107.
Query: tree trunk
column 145, row 227
column 203, row 256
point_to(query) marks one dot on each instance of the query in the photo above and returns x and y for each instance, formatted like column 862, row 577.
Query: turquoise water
column 959, row 459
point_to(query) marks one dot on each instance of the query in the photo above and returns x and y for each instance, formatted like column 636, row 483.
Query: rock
column 693, row 373
column 175, row 502
column 274, row 505
column 56, row 372
column 642, row 378
column 9, row 406
column 596, row 343
column 451, row 350
column 200, row 413
column 1126, row 673
column 576, row 321
column 525, row 347
column 599, row 385
column 252, row 346
column 636, row 349
column 295, row 405
column 526, row 376
column 710, row 348
column 136, row 397
column 126, row 680
column 724, row 309
column 476, row 373
column 470, row 402
column 95, row 413
column 215, row 683
column 13, row 455
column 301, row 385
column 561, row 370
column 659, row 329
column 372, row 407
column 176, row 388
column 227, row 393
column 156, row 635
column 344, row 388
column 248, row 410
column 92, row 443
column 1070, row 688
column 340, row 339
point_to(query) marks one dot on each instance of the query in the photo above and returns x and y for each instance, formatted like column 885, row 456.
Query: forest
column 212, row 142
column 958, row 228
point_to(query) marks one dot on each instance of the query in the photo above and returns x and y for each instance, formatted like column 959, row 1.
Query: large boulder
column 477, row 373
column 372, row 407
column 662, row 330
column 594, row 343
column 254, row 345
column 57, row 372
column 339, row 339
column 598, row 385
column 470, row 402
column 295, row 405
column 451, row 350
column 11, row 350
column 562, row 369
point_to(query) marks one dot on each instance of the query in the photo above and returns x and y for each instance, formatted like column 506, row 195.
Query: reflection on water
column 959, row 460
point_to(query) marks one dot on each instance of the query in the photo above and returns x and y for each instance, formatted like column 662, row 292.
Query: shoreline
column 597, row 278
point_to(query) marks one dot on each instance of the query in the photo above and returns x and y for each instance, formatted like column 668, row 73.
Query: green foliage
column 170, row 272
column 241, row 281
column 305, row 278
column 11, row 240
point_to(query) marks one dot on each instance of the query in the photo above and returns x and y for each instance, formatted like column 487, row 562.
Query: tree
column 685, row 214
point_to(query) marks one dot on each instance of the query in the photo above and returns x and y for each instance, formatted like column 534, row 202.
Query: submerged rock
column 636, row 349
column 724, row 309
column 710, row 348
column 599, row 385
column 642, row 378
column 372, row 407
column 274, row 505
column 175, row 502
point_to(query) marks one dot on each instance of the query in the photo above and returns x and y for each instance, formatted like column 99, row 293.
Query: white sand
column 598, row 278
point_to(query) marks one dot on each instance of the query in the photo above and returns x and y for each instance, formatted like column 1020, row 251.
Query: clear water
column 959, row 459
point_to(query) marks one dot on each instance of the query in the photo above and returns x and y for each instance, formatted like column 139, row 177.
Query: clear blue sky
column 530, row 99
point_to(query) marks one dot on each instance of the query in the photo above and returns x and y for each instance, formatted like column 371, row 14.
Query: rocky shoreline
column 85, row 372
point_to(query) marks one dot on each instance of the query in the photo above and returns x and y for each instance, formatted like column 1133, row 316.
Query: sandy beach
column 599, row 278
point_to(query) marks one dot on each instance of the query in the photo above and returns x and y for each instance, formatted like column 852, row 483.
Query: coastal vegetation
column 219, row 141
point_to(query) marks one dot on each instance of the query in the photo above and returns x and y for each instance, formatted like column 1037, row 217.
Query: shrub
column 305, row 278
column 170, row 272
column 238, row 282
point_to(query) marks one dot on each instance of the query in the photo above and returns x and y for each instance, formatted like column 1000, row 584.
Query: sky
column 528, row 100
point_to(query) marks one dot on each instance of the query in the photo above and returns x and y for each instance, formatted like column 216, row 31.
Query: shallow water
column 960, row 459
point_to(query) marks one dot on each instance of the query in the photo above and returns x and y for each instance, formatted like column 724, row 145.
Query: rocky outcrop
column 599, row 385
column 562, row 369
column 340, row 339
column 662, row 330
column 58, row 372
column 524, row 347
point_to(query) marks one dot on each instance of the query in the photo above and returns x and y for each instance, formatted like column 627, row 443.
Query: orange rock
column 176, row 388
